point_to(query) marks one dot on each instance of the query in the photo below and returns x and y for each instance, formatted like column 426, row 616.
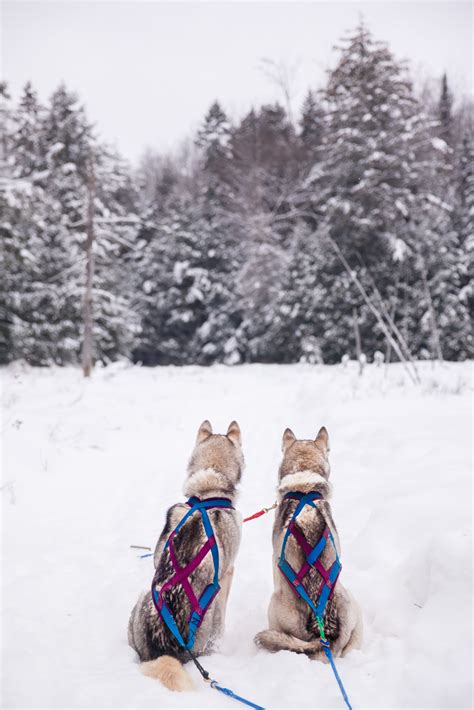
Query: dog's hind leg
column 222, row 600
column 225, row 589
column 133, row 623
column 274, row 641
column 355, row 640
column 287, row 625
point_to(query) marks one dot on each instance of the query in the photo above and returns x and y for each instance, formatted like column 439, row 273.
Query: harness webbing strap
column 181, row 575
column 329, row 576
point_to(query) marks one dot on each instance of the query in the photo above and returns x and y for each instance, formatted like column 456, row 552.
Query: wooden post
column 88, row 342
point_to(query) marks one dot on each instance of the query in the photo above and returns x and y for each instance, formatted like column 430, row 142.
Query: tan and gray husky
column 214, row 471
column 292, row 624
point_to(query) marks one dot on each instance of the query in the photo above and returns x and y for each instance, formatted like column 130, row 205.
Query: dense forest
column 345, row 231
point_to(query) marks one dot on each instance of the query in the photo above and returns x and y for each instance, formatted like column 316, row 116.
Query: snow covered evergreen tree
column 237, row 253
column 311, row 128
column 214, row 141
column 364, row 190
column 115, row 280
column 266, row 162
column 39, row 289
column 44, row 207
column 8, row 249
column 26, row 140
column 174, row 287
column 72, row 151
column 220, row 241
column 463, row 223
column 445, row 115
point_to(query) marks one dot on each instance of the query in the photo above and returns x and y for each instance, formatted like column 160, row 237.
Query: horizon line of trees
column 349, row 231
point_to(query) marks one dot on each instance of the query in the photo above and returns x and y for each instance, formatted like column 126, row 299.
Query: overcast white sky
column 148, row 71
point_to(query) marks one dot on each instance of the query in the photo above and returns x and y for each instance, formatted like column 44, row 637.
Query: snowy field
column 90, row 468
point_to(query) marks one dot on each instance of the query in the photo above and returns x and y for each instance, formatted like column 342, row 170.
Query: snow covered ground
column 90, row 468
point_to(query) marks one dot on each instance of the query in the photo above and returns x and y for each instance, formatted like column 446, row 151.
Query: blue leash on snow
column 214, row 684
column 327, row 651
column 231, row 694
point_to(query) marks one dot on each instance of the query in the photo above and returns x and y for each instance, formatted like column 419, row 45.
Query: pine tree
column 214, row 142
column 293, row 326
column 38, row 290
column 47, row 293
column 364, row 189
column 26, row 140
column 8, row 251
column 220, row 243
column 266, row 158
column 72, row 151
column 463, row 223
column 445, row 116
column 311, row 128
column 174, row 287
column 116, row 324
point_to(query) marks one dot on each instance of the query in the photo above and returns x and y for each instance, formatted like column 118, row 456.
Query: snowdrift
column 89, row 468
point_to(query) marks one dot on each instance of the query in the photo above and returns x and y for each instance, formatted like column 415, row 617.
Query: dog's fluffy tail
column 170, row 672
column 274, row 641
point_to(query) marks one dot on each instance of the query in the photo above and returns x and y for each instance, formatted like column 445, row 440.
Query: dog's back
column 292, row 623
column 312, row 522
column 214, row 471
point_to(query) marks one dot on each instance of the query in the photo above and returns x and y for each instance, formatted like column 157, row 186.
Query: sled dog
column 214, row 470
column 292, row 623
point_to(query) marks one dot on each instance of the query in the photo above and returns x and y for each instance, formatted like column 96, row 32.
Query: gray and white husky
column 214, row 471
column 292, row 624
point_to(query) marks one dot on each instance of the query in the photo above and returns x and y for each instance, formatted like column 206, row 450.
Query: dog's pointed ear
column 288, row 439
column 204, row 431
column 322, row 439
column 233, row 433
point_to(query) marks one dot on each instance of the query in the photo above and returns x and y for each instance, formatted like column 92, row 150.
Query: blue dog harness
column 312, row 556
column 199, row 606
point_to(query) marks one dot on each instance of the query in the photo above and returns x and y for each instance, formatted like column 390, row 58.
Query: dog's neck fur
column 209, row 483
column 304, row 482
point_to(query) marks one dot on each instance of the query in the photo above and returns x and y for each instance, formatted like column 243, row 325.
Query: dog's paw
column 259, row 639
column 269, row 640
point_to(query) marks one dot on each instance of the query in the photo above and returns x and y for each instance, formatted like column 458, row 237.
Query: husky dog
column 214, row 471
column 292, row 624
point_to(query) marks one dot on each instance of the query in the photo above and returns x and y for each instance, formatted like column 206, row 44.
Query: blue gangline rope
column 214, row 684
column 231, row 694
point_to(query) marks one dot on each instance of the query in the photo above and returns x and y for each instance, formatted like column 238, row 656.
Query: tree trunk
column 357, row 340
column 434, row 324
column 88, row 343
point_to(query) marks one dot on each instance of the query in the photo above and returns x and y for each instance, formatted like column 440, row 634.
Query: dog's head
column 216, row 464
column 305, row 465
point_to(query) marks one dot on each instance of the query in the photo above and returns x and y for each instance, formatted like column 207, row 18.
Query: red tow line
column 259, row 513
